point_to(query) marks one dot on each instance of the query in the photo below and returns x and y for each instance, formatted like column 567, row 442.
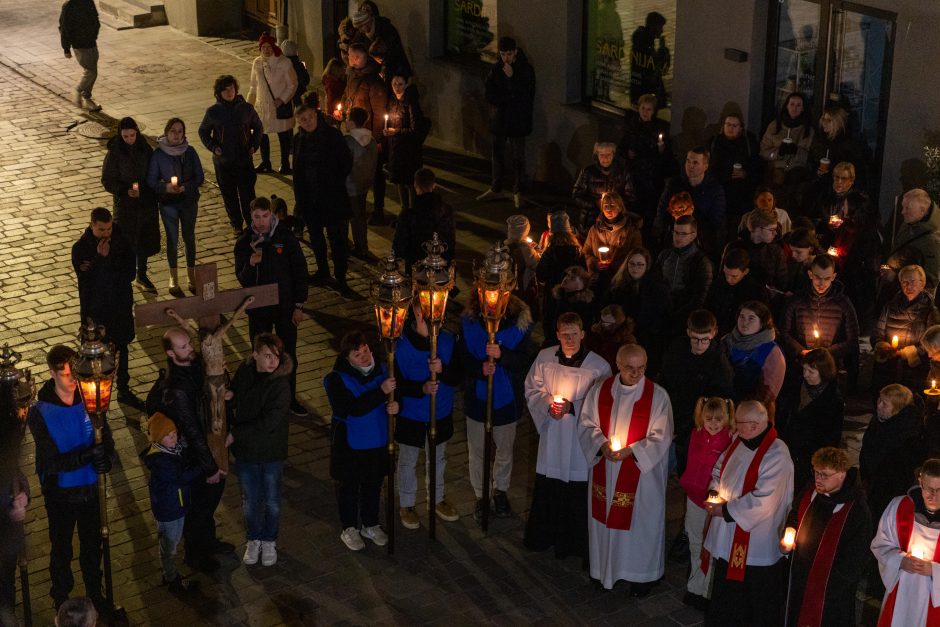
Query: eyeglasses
column 825, row 476
column 700, row 340
column 930, row 491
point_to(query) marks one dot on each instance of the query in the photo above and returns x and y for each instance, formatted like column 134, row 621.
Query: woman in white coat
column 273, row 83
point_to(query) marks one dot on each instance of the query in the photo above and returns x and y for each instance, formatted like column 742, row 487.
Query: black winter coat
column 688, row 273
column 303, row 80
column 511, row 98
column 261, row 423
column 234, row 127
column 887, row 461
column 322, row 161
column 594, row 181
column 739, row 193
column 180, row 395
column 282, row 262
column 768, row 261
column 908, row 320
column 78, row 25
column 709, row 200
column 724, row 300
column 404, row 146
column 555, row 260
column 418, row 224
column 687, row 377
column 105, row 288
column 832, row 314
column 123, row 166
column 366, row 89
column 808, row 429
column 649, row 166
column 842, row 148
column 394, row 59
column 851, row 557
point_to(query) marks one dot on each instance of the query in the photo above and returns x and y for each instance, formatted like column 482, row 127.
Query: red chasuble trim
column 904, row 519
column 621, row 507
column 814, row 595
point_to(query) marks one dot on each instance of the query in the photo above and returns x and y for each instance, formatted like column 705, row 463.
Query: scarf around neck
column 173, row 151
column 748, row 342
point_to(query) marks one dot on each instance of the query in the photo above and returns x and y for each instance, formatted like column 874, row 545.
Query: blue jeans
column 173, row 217
column 169, row 534
column 261, row 498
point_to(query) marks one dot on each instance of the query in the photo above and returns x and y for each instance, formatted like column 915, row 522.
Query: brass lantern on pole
column 433, row 280
column 391, row 296
column 94, row 367
column 495, row 280
column 20, row 385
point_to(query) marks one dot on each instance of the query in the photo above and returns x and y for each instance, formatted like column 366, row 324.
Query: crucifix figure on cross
column 207, row 307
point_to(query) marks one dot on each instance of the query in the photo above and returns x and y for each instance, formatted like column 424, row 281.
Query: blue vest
column 71, row 430
column 748, row 366
column 476, row 337
column 369, row 430
column 413, row 364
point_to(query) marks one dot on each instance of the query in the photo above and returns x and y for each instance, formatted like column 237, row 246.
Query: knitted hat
column 361, row 18
column 517, row 227
column 159, row 427
column 267, row 39
column 559, row 222
column 289, row 47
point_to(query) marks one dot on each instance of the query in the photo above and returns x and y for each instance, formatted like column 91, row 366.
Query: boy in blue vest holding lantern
column 511, row 355
column 357, row 389
column 413, row 368
column 68, row 462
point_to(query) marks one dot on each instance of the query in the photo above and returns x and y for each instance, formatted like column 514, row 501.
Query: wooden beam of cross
column 207, row 305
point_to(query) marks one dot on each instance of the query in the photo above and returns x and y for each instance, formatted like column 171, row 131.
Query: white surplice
column 637, row 555
column 560, row 455
column 915, row 592
column 762, row 511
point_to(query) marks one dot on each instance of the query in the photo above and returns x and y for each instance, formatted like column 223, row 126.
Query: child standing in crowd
column 169, row 493
column 711, row 437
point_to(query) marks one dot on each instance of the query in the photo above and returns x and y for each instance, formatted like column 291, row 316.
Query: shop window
column 628, row 51
column 470, row 30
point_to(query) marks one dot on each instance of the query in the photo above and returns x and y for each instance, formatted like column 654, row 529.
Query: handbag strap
column 264, row 76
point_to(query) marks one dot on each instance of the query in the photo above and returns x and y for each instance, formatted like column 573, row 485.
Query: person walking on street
column 231, row 130
column 510, row 89
column 78, row 30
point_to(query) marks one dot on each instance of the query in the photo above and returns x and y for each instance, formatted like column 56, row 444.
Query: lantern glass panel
column 96, row 394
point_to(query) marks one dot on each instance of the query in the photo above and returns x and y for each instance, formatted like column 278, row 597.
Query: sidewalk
column 51, row 180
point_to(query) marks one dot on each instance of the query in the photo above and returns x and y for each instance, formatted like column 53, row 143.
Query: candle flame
column 895, row 341
column 528, row 240
column 833, row 251
column 557, row 399
column 816, row 333
column 789, row 537
column 615, row 444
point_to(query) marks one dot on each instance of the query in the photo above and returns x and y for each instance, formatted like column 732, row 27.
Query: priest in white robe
column 753, row 480
column 907, row 549
column 625, row 434
column 555, row 387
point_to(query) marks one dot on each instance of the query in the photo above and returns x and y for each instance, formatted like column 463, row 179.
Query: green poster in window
column 467, row 26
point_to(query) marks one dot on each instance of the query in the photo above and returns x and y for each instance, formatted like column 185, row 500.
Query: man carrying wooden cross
column 625, row 433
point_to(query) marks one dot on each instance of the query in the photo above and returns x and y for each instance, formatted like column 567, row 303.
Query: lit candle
column 835, row 220
column 789, row 537
column 833, row 251
column 919, row 552
column 714, row 498
column 894, row 341
column 528, row 240
column 602, row 253
column 557, row 399
column 386, row 121
column 933, row 391
column 815, row 334
column 660, row 138
column 615, row 444
column 173, row 181
column 135, row 187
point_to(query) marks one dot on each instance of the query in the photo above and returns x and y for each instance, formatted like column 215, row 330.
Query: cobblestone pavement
column 50, row 180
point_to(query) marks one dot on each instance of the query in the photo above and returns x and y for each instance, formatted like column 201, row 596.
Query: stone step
column 139, row 13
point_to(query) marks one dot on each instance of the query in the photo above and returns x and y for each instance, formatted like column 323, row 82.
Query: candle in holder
column 615, row 444
column 835, row 220
column 386, row 121
column 895, row 340
column 714, row 498
column 174, row 181
column 660, row 141
column 789, row 538
column 135, row 187
column 933, row 391
column 833, row 251
column 557, row 399
column 602, row 253
column 815, row 338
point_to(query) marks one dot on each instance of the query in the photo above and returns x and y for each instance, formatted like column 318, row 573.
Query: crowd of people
column 699, row 320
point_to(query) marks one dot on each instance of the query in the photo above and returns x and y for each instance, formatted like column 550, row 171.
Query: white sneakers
column 267, row 551
column 252, row 552
column 375, row 534
column 352, row 539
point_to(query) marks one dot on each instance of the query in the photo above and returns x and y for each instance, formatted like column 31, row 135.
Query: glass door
column 834, row 51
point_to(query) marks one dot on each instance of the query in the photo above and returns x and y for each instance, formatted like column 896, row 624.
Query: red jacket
column 704, row 451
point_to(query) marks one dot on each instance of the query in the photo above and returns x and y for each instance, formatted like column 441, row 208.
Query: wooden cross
column 207, row 307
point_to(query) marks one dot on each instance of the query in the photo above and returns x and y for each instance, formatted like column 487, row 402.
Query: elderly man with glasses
column 907, row 549
column 833, row 527
column 752, row 484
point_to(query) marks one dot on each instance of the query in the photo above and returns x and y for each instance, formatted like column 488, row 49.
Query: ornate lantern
column 94, row 367
column 495, row 280
column 391, row 296
column 19, row 381
column 433, row 281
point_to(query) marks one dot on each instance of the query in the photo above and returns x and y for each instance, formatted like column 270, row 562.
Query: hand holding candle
column 603, row 257
column 833, row 251
column 135, row 187
column 615, row 444
column 789, row 539
column 174, row 181
column 932, row 391
column 557, row 408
